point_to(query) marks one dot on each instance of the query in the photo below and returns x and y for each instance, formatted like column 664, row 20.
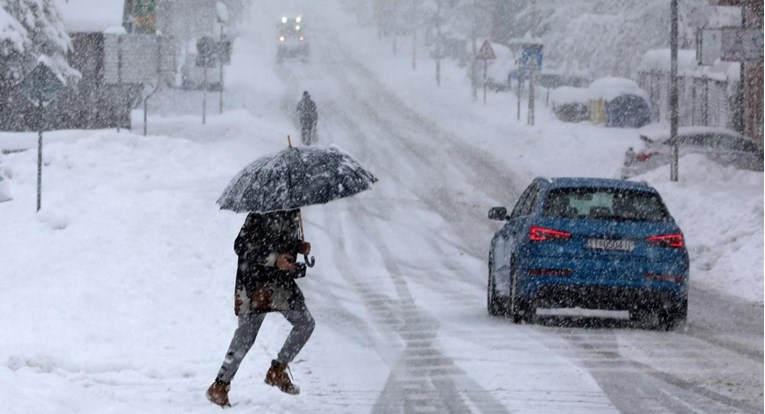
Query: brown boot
column 218, row 393
column 278, row 377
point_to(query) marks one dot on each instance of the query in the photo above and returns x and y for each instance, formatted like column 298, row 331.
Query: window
column 687, row 140
column 739, row 144
column 526, row 202
column 605, row 204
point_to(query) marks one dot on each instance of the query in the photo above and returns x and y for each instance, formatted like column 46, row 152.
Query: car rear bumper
column 603, row 284
column 605, row 297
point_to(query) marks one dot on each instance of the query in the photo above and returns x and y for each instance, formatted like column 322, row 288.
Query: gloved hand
column 304, row 248
column 286, row 262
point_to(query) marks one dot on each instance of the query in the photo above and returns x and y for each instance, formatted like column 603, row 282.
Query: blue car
column 590, row 243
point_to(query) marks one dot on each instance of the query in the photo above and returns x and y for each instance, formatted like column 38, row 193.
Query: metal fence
column 702, row 100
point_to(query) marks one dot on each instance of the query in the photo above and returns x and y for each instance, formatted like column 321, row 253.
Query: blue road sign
column 41, row 84
column 531, row 56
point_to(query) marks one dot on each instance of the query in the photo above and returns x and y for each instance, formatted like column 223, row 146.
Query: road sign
column 741, row 45
column 41, row 85
column 207, row 52
column 145, row 12
column 486, row 52
column 531, row 56
column 134, row 58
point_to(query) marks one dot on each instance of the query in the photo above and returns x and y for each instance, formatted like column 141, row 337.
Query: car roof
column 595, row 182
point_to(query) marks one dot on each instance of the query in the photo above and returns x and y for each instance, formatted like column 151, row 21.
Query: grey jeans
column 249, row 325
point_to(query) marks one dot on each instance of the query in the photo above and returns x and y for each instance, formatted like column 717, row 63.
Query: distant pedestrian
column 267, row 246
column 309, row 117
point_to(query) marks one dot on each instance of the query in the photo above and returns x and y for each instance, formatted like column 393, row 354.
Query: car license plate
column 622, row 245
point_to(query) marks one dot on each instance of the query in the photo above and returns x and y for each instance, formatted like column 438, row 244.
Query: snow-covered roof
column 568, row 94
column 660, row 60
column 90, row 15
column 610, row 88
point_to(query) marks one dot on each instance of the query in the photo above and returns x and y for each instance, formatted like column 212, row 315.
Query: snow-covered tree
column 603, row 37
column 31, row 30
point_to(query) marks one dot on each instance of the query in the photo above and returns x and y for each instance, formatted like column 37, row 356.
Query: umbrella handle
column 309, row 262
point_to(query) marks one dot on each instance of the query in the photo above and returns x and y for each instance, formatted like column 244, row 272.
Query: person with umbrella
column 267, row 246
column 272, row 190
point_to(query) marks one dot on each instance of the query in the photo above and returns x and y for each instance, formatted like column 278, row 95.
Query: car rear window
column 605, row 204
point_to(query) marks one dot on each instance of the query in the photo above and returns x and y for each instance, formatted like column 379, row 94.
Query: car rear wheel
column 673, row 317
column 495, row 304
column 521, row 310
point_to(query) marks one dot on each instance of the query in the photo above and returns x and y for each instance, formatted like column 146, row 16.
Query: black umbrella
column 294, row 178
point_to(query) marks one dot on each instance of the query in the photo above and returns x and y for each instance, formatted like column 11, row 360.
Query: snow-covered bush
column 571, row 104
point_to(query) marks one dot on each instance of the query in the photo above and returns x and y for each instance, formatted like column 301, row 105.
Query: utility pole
column 673, row 93
column 222, row 20
column 530, row 115
column 473, row 65
column 220, row 68
column 438, row 44
column 39, row 152
column 414, row 35
column 204, row 97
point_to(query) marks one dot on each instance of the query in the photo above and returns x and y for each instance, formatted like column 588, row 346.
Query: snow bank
column 720, row 210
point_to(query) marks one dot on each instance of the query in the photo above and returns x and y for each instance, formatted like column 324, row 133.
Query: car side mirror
column 498, row 213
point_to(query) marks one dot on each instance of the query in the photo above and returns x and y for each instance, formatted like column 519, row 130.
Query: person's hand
column 304, row 248
column 286, row 262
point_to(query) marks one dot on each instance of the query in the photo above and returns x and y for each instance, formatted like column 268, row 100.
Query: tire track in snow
column 608, row 367
column 422, row 379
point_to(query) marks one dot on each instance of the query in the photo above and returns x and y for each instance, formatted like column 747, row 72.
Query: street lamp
column 673, row 166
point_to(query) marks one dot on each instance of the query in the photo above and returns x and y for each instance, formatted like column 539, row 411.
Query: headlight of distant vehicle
column 284, row 19
column 298, row 19
column 281, row 38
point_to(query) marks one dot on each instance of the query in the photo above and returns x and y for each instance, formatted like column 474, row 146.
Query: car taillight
column 550, row 272
column 675, row 240
column 642, row 156
column 537, row 233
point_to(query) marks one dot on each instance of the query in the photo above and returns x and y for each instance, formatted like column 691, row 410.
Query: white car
column 718, row 144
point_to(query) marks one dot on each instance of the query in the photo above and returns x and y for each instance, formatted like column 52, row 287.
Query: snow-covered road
column 426, row 220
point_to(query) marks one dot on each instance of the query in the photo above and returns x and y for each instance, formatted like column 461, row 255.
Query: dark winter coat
column 260, row 285
column 306, row 108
